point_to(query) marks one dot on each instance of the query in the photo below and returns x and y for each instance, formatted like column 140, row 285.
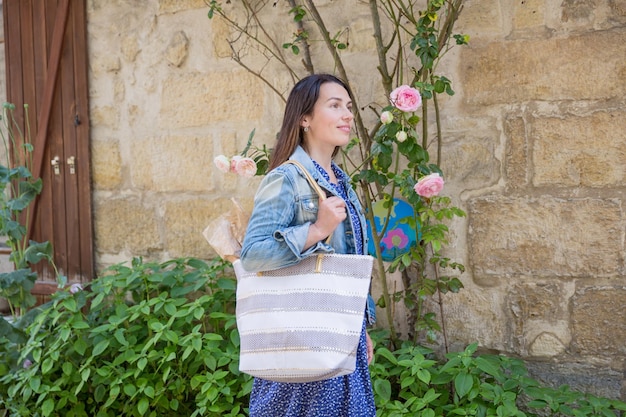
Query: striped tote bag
column 302, row 323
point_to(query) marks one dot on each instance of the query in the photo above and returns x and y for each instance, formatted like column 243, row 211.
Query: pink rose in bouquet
column 246, row 167
column 222, row 163
column 233, row 163
column 429, row 186
column 405, row 98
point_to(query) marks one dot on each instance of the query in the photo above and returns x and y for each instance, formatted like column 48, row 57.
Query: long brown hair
column 300, row 103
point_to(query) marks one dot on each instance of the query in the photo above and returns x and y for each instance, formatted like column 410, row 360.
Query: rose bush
column 385, row 160
column 400, row 165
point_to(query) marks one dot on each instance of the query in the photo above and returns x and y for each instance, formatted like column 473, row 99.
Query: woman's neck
column 322, row 157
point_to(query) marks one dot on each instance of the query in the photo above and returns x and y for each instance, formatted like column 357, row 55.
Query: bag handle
column 322, row 196
column 309, row 178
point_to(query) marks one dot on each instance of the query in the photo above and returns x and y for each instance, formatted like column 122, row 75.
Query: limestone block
column 538, row 317
column 174, row 6
column 481, row 18
column 175, row 163
column 125, row 224
column 551, row 69
column 577, row 9
column 618, row 7
column 546, row 345
column 361, row 39
column 201, row 99
column 220, row 35
column 108, row 116
column 130, row 47
column 598, row 321
column 544, row 237
column 470, row 161
column 184, row 222
column 583, row 151
column 528, row 14
column 178, row 49
column 119, row 91
column 106, row 164
column 516, row 158
column 105, row 63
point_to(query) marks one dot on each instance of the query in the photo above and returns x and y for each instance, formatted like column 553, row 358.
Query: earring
column 306, row 129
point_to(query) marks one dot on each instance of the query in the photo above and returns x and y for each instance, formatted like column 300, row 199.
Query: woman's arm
column 284, row 228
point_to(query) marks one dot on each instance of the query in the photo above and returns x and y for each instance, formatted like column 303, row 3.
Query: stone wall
column 535, row 151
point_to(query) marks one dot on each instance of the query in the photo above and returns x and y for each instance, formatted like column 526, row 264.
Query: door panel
column 46, row 60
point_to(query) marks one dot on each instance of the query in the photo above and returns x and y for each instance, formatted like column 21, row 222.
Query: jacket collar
column 301, row 156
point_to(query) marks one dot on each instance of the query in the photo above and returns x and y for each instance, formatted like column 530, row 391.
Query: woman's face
column 330, row 122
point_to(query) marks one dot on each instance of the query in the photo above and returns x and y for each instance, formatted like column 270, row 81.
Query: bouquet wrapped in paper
column 225, row 233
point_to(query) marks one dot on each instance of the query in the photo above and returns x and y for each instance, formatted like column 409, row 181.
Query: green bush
column 411, row 382
column 160, row 340
column 146, row 340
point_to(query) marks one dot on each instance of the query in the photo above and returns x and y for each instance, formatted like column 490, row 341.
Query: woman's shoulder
column 283, row 177
column 288, row 170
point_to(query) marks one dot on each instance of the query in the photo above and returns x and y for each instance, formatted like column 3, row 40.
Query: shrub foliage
column 160, row 339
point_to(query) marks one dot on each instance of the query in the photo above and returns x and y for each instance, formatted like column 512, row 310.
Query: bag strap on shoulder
column 309, row 178
column 315, row 186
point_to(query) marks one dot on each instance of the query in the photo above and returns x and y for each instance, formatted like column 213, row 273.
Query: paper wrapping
column 225, row 233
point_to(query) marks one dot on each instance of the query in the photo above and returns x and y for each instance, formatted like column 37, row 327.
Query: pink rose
column 246, row 167
column 406, row 98
column 233, row 162
column 401, row 136
column 222, row 163
column 429, row 186
column 386, row 117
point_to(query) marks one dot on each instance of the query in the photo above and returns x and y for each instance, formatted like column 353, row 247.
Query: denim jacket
column 285, row 206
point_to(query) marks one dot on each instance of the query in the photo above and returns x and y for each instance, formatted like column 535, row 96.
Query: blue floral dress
column 344, row 396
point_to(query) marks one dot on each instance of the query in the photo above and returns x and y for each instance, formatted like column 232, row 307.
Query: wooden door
column 46, row 68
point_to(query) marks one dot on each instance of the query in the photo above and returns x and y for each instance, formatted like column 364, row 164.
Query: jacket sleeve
column 274, row 239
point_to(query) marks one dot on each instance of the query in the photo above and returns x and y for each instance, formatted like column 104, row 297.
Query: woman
column 289, row 223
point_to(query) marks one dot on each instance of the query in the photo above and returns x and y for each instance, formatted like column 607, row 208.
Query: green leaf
column 80, row 346
column 489, row 365
column 384, row 352
column 382, row 387
column 47, row 407
column 424, row 376
column 142, row 407
column 46, row 366
column 141, row 363
column 174, row 404
column 130, row 390
column 149, row 391
column 84, row 375
column 406, row 382
column 35, row 383
column 99, row 393
column 463, row 383
column 100, row 347
column 35, row 252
